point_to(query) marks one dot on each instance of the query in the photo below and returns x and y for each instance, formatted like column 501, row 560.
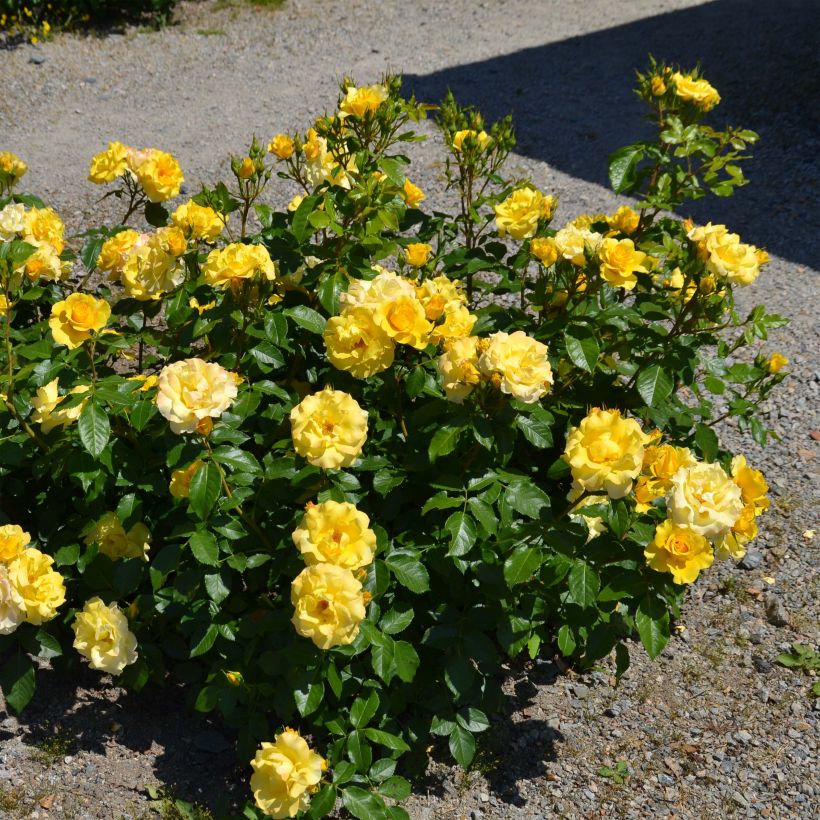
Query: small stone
column 739, row 799
column 554, row 723
column 581, row 690
column 743, row 736
column 665, row 780
column 752, row 560
column 37, row 59
column 776, row 612
column 761, row 664
column 484, row 797
column 798, row 709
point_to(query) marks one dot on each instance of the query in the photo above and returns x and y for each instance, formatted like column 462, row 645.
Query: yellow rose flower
column 458, row 322
column 109, row 164
column 12, row 612
column 777, row 361
column 544, row 250
column 624, row 220
column 285, row 774
column 620, row 261
column 403, row 319
column 322, row 165
column 101, row 634
column 413, row 195
column 236, row 262
column 180, row 485
column 198, row 221
column 12, row 221
column 282, row 146
column 605, row 452
column 328, row 605
column 45, row 402
column 572, row 242
column 294, row 204
column 458, row 366
column 594, row 524
column 45, row 263
column 361, row 101
column 519, row 213
column 40, row 588
column 158, row 173
column 521, row 363
column 704, row 499
column 661, row 462
column 13, row 540
column 371, row 293
column 193, row 390
column 680, row 551
column 329, row 429
column 698, row 92
column 753, row 486
column 148, row 382
column 478, row 138
column 12, row 165
column 733, row 543
column 357, row 345
column 112, row 540
column 150, row 271
column 246, row 168
column 658, row 86
column 417, row 253
column 335, row 533
column 114, row 252
column 44, row 225
column 76, row 319
column 436, row 293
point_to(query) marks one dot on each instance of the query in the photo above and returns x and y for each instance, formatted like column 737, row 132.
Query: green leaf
column 204, row 490
column 409, row 571
column 522, row 564
column 94, row 428
column 654, row 385
column 204, row 639
column 204, row 548
column 363, row 709
column 584, row 584
column 525, row 498
column 652, row 623
column 309, row 698
column 396, row 620
column 17, row 681
column 474, row 720
column 406, row 660
column 463, row 533
column 307, row 318
column 301, row 226
column 217, row 585
column 444, row 441
column 156, row 215
column 362, row 804
column 622, row 168
column 462, row 746
column 386, row 739
column 538, row 432
column 329, row 290
column 582, row 347
column 322, row 803
column 396, row 788
column 566, row 640
column 237, row 459
column 359, row 751
column 707, row 441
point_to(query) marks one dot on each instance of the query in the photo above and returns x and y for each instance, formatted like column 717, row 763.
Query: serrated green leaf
column 386, row 739
column 521, row 565
column 444, row 441
column 463, row 533
column 409, row 571
column 307, row 318
column 652, row 623
column 582, row 347
column 94, row 428
column 362, row 804
column 462, row 746
column 204, row 548
column 622, row 168
column 204, row 490
column 584, row 584
column 363, row 709
column 17, row 681
column 654, row 385
column 301, row 226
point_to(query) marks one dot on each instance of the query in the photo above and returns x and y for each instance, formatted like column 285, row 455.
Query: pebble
column 776, row 611
column 752, row 560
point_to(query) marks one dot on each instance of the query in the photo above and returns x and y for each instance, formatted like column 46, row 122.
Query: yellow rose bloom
column 458, row 322
column 101, row 634
column 12, row 221
column 12, row 165
column 479, row 138
column 246, row 169
column 335, row 533
column 661, row 462
column 114, row 252
column 413, row 195
column 520, row 362
column 329, row 605
column 620, row 262
column 12, row 612
column 329, row 429
column 109, row 164
column 403, row 319
column 193, row 390
column 417, row 253
column 40, row 588
column 704, row 499
column 180, row 485
column 361, row 101
column 198, row 221
column 45, row 402
column 356, row 344
column 624, row 220
column 437, row 293
column 698, row 92
column 285, row 774
column 658, row 86
column 76, row 319
column 572, row 242
column 777, row 361
column 44, row 225
column 383, row 288
column 544, row 250
column 148, row 382
column 680, row 551
column 172, row 240
column 458, row 366
column 13, row 540
column 282, row 146
column 45, row 263
column 237, row 261
column 158, row 173
column 150, row 271
column 594, row 524
column 725, row 255
column 752, row 485
column 733, row 543
column 112, row 540
column 519, row 213
column 605, row 452
column 294, row 204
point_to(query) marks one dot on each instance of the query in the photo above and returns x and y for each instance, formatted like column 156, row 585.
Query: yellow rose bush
column 330, row 465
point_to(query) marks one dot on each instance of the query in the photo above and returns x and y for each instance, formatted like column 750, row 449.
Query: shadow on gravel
column 192, row 757
column 572, row 104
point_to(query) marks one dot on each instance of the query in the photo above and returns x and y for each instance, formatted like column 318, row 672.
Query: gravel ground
column 713, row 728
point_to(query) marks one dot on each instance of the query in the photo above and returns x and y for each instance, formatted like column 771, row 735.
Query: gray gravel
column 713, row 728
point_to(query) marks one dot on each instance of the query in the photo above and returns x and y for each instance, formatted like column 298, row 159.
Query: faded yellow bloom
column 112, row 540
column 114, row 252
column 158, row 173
column 76, row 319
column 45, row 225
column 45, row 263
column 12, row 612
column 328, row 604
column 335, row 533
column 356, row 344
column 101, row 634
column 733, row 543
column 13, row 540
column 413, row 195
column 108, row 165
column 458, row 366
column 458, row 322
column 329, row 429
column 150, row 271
column 520, row 363
column 40, row 588
column 45, row 402
column 437, row 293
column 572, row 242
column 12, row 221
column 282, row 146
column 680, row 551
column 704, row 499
